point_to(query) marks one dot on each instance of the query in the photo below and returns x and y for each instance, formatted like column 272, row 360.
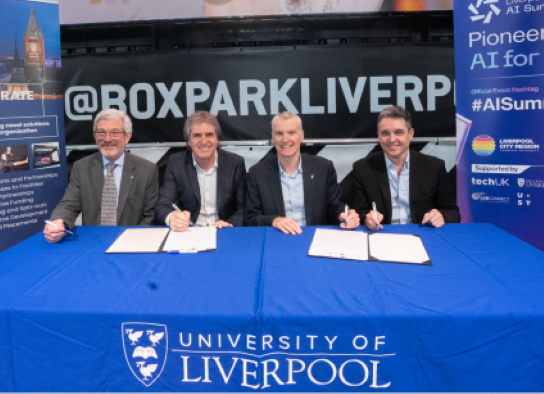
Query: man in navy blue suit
column 206, row 183
column 293, row 189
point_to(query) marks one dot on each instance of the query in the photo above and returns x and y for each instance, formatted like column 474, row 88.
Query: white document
column 141, row 240
column 399, row 248
column 356, row 245
column 340, row 244
column 195, row 239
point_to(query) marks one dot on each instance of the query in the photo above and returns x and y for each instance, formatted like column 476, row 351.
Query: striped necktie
column 108, row 217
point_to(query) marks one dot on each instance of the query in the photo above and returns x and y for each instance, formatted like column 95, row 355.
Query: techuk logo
column 483, row 145
column 484, row 13
column 491, row 181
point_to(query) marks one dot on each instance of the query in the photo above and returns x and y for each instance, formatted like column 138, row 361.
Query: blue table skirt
column 259, row 314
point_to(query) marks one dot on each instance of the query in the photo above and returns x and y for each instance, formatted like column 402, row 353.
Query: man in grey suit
column 293, row 189
column 207, row 184
column 112, row 187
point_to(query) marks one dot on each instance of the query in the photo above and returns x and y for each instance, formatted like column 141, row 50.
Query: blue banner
column 32, row 153
column 499, row 62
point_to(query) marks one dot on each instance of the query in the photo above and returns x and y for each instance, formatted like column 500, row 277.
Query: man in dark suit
column 112, row 187
column 206, row 183
column 406, row 186
column 293, row 189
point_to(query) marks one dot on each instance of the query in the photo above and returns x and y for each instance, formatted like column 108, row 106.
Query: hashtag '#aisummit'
column 477, row 104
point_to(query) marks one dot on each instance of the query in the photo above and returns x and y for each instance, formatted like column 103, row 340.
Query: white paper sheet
column 195, row 239
column 399, row 248
column 144, row 240
column 339, row 244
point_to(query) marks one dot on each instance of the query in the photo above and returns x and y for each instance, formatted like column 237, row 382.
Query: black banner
column 338, row 91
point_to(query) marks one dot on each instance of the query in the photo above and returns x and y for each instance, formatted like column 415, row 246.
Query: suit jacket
column 138, row 192
column 264, row 200
column 429, row 188
column 181, row 187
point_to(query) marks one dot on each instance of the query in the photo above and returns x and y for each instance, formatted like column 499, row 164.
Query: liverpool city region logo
column 486, row 16
column 146, row 347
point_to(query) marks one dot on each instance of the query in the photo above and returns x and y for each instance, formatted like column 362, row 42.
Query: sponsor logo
column 491, row 181
column 498, row 169
column 479, row 196
column 484, row 13
column 524, row 182
column 146, row 348
column 483, row 145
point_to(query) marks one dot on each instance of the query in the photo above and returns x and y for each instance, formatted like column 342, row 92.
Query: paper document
column 356, row 245
column 339, row 244
column 141, row 240
column 195, row 239
column 399, row 248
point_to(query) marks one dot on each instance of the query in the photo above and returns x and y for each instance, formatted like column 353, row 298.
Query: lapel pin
column 312, row 176
column 132, row 177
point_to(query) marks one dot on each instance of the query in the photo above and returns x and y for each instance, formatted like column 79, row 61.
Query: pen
column 179, row 210
column 375, row 215
column 54, row 225
column 346, row 211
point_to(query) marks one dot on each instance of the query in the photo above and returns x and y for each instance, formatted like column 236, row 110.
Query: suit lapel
column 383, row 181
column 127, row 180
column 193, row 178
column 97, row 177
column 274, row 184
column 308, row 180
column 414, row 183
column 221, row 179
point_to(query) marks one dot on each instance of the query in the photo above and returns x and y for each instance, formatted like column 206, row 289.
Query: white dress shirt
column 292, row 187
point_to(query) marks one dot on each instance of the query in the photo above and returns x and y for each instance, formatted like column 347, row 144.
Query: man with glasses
column 109, row 188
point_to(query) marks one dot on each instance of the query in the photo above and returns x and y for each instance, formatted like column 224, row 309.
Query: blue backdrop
column 32, row 155
column 499, row 60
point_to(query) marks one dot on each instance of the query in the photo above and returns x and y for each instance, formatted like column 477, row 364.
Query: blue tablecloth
column 258, row 313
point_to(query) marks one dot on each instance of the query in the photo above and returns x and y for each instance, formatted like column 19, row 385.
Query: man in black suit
column 132, row 181
column 406, row 186
column 206, row 183
column 293, row 189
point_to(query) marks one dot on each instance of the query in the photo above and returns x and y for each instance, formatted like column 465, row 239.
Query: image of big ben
column 34, row 48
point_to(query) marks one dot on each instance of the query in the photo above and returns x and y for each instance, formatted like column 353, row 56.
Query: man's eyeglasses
column 112, row 134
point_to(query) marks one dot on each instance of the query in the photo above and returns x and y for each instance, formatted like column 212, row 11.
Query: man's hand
column 372, row 223
column 434, row 218
column 54, row 234
column 222, row 224
column 352, row 218
column 286, row 225
column 180, row 221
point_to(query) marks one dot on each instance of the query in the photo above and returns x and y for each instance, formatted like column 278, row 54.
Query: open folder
column 356, row 245
column 163, row 240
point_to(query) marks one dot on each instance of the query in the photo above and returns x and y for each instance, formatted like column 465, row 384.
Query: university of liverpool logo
column 146, row 347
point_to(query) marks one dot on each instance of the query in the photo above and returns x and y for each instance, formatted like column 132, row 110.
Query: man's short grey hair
column 396, row 112
column 200, row 117
column 113, row 114
column 286, row 115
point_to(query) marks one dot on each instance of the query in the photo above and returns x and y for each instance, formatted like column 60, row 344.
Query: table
column 262, row 315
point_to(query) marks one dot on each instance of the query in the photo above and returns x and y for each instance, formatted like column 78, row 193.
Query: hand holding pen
column 54, row 230
column 373, row 219
column 349, row 219
column 180, row 220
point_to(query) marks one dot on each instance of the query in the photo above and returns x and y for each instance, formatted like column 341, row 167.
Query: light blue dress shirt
column 400, row 191
column 292, row 187
column 117, row 171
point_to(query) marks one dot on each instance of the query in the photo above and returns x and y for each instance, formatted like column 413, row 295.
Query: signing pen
column 375, row 215
column 179, row 210
column 54, row 225
column 346, row 211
